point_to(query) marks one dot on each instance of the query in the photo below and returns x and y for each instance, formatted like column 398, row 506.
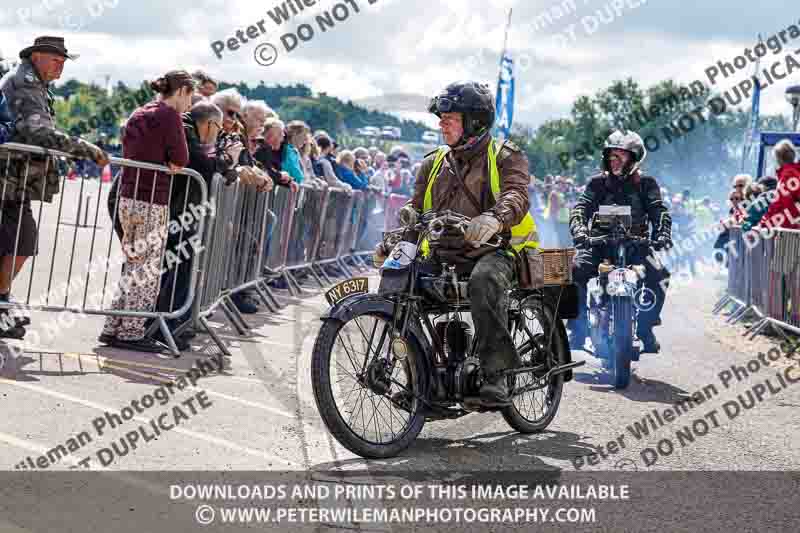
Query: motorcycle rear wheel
column 366, row 428
column 532, row 411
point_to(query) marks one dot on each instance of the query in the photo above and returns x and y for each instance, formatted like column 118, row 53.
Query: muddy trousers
column 492, row 277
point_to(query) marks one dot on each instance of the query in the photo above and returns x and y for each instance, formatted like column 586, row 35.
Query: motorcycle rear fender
column 561, row 330
column 373, row 303
column 562, row 334
column 568, row 303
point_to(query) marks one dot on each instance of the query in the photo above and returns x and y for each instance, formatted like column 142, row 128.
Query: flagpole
column 502, row 57
column 752, row 119
column 505, row 39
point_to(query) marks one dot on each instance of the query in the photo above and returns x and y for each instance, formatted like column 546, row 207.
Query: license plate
column 346, row 289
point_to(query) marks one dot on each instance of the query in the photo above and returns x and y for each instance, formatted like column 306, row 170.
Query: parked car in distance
column 391, row 132
column 430, row 137
column 368, row 131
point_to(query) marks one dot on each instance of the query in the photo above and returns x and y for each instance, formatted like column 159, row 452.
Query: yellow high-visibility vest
column 523, row 235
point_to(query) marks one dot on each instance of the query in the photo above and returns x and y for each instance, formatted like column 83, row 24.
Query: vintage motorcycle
column 385, row 363
column 616, row 295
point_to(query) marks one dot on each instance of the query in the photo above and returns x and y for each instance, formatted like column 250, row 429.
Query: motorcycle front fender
column 372, row 303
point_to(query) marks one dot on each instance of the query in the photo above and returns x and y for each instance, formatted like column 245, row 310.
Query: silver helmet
column 630, row 142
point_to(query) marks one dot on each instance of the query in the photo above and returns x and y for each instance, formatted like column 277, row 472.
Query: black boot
column 649, row 342
column 494, row 391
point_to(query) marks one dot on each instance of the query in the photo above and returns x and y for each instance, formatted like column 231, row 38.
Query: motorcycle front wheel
column 621, row 341
column 368, row 400
column 533, row 410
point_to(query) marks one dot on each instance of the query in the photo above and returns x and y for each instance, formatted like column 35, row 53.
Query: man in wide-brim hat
column 29, row 109
column 52, row 45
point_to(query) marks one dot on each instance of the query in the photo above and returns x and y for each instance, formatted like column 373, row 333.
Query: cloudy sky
column 413, row 46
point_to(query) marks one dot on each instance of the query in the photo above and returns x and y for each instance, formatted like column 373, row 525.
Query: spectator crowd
column 771, row 202
column 189, row 124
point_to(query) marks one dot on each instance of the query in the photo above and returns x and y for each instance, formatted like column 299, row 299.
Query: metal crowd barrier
column 338, row 219
column 763, row 279
column 245, row 240
column 66, row 267
column 238, row 249
column 211, row 283
column 282, row 205
column 308, row 223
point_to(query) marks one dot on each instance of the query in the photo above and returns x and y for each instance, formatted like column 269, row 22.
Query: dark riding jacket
column 642, row 193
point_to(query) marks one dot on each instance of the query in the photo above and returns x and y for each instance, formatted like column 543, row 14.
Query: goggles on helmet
column 442, row 104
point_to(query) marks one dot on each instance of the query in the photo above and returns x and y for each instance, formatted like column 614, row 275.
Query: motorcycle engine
column 467, row 378
column 461, row 373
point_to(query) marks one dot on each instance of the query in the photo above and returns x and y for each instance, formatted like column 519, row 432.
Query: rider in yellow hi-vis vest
column 523, row 235
column 487, row 181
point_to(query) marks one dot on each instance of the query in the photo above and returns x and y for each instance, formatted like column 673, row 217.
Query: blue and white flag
column 505, row 97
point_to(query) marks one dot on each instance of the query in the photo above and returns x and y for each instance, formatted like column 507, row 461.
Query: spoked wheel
column 367, row 399
column 533, row 410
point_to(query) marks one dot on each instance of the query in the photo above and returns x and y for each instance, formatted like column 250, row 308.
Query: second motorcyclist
column 621, row 182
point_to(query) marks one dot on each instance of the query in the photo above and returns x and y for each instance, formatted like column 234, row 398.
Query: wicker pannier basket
column 545, row 267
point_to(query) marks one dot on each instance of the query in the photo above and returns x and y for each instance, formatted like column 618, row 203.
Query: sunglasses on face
column 739, row 186
column 233, row 114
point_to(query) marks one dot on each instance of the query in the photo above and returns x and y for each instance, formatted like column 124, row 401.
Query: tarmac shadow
column 495, row 451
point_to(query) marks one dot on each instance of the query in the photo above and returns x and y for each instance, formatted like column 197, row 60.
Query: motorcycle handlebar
column 603, row 239
column 436, row 223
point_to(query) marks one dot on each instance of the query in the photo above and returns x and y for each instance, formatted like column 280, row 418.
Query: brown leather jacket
column 512, row 204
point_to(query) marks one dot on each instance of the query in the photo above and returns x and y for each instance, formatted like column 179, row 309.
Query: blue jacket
column 358, row 182
column 6, row 121
column 290, row 163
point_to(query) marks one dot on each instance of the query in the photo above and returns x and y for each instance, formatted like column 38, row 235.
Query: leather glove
column 580, row 238
column 379, row 256
column 407, row 215
column 481, row 229
column 663, row 242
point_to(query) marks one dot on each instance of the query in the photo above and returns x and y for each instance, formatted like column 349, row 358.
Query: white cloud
column 392, row 46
